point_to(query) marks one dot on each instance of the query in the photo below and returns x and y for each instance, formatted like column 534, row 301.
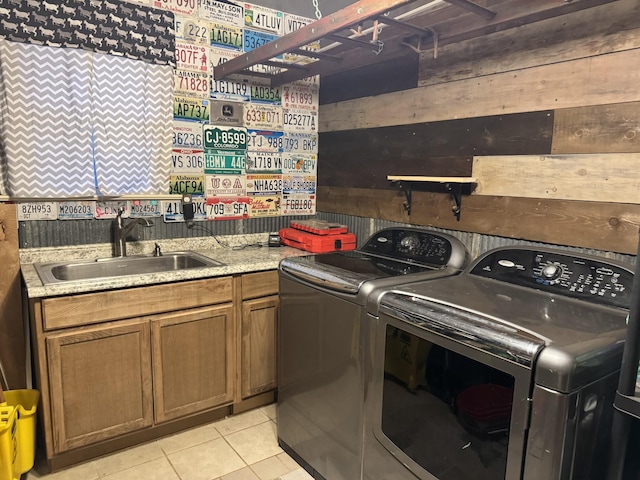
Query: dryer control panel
column 582, row 277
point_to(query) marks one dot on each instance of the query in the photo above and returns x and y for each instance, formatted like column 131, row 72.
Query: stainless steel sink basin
column 120, row 267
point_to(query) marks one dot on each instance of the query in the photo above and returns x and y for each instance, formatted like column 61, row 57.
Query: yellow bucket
column 18, row 433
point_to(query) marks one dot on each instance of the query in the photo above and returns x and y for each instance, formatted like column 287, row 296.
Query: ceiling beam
column 473, row 8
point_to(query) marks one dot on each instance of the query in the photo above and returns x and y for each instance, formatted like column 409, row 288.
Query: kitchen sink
column 121, row 266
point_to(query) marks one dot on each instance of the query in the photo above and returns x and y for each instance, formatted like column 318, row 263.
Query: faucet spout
column 122, row 229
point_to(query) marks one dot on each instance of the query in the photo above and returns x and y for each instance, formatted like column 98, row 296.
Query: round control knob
column 410, row 243
column 551, row 271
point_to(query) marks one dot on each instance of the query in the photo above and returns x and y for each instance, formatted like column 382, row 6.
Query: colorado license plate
column 192, row 57
column 192, row 30
column 37, row 211
column 230, row 138
column 263, row 117
column 227, row 208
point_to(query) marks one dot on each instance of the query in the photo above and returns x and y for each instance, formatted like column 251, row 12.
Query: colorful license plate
column 76, row 210
column 37, row 211
column 191, row 108
column 299, row 120
column 185, row 7
column 218, row 56
column 265, row 140
column 226, row 112
column 300, row 142
column 191, row 84
column 263, row 18
column 293, row 23
column 187, row 161
column 224, row 12
column 227, row 208
column 298, row 204
column 235, row 90
column 192, row 57
column 229, row 138
column 254, row 39
column 226, row 185
column 299, row 163
column 260, row 161
column 225, row 161
column 226, row 36
column 107, row 210
column 173, row 212
column 187, row 135
column 263, row 117
column 144, row 208
column 304, row 97
column 264, row 93
column 264, row 184
column 192, row 30
column 184, row 183
column 299, row 183
column 264, row 205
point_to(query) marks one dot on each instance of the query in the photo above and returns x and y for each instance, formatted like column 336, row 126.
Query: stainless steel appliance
column 320, row 340
column 524, row 349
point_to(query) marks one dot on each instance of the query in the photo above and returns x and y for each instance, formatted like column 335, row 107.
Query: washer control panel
column 583, row 277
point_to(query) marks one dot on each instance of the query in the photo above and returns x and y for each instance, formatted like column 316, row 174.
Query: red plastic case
column 319, row 227
column 311, row 242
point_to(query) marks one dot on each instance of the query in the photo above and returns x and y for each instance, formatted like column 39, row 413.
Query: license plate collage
column 241, row 148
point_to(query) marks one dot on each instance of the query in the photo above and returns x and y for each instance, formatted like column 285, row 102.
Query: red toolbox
column 315, row 243
column 319, row 227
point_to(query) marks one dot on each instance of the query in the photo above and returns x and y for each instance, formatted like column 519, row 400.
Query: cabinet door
column 100, row 381
column 193, row 361
column 258, row 356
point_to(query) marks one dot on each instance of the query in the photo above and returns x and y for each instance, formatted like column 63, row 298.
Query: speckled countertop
column 238, row 254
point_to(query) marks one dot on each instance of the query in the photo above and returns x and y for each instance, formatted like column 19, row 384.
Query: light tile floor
column 240, row 447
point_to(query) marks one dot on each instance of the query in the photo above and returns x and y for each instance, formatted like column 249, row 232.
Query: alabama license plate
column 299, row 163
column 191, row 84
column 254, row 39
column 264, row 205
column 227, row 208
column 265, row 93
column 263, row 117
column 76, row 210
column 186, row 184
column 264, row 184
column 298, row 204
column 192, row 57
column 187, row 161
column 295, row 142
column 192, row 30
column 304, row 97
column 37, row 211
column 144, row 208
column 226, row 185
column 187, row 135
column 191, row 108
column 298, row 183
column 265, row 140
column 226, row 36
column 261, row 161
column 299, row 120
column 224, row 12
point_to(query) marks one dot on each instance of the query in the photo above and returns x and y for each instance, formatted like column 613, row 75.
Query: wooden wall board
column 12, row 341
column 577, row 83
column 431, row 149
column 604, row 226
column 597, row 129
column 594, row 31
column 612, row 178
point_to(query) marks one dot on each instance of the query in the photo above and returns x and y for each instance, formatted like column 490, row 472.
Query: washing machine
column 323, row 302
column 524, row 349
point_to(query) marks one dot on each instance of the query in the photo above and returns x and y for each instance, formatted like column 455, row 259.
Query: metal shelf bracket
column 455, row 189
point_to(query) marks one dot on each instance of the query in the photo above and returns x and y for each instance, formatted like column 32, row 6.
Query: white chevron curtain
column 77, row 124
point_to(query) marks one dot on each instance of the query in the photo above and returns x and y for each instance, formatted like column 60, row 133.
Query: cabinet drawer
column 260, row 284
column 99, row 307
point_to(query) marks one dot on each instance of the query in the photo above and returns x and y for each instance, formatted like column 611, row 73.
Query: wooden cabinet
column 193, row 361
column 258, row 333
column 100, row 383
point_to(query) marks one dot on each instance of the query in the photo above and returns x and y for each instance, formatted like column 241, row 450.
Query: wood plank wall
column 561, row 86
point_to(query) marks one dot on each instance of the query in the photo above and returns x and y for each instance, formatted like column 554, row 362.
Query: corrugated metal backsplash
column 37, row 234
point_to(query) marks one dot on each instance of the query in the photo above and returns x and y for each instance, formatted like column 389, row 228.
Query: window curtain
column 45, row 129
column 74, row 123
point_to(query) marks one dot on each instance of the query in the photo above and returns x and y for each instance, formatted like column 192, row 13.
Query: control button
column 551, row 271
column 506, row 263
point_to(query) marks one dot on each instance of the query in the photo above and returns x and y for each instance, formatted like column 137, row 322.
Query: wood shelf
column 405, row 178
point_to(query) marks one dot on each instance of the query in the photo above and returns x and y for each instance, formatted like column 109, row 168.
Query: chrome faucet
column 121, row 230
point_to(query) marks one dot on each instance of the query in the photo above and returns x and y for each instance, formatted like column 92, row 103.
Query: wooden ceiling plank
column 474, row 8
column 404, row 25
column 340, row 20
